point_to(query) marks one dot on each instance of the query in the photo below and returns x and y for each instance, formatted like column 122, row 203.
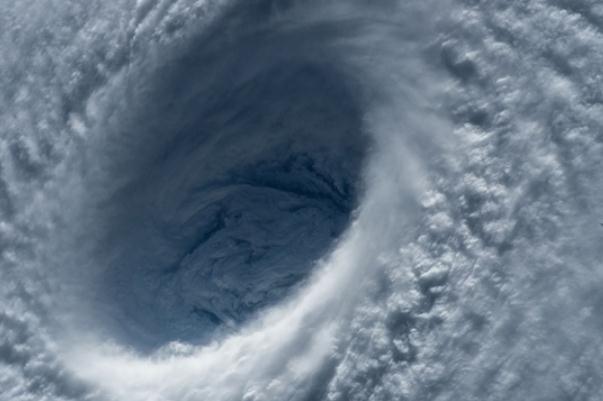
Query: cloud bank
column 301, row 200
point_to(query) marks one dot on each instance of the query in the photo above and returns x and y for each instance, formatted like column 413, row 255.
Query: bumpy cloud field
column 261, row 200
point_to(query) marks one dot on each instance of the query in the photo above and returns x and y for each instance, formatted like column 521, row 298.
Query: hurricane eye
column 232, row 204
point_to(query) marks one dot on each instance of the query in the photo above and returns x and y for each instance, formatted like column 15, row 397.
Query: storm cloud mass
column 301, row 200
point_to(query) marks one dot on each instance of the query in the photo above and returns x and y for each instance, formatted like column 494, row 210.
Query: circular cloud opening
column 224, row 193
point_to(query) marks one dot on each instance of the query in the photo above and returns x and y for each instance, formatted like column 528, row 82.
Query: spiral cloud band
column 301, row 200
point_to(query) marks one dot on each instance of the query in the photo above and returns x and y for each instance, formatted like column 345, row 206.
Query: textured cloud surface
column 301, row 200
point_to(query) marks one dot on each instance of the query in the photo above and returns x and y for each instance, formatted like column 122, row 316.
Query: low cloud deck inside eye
column 235, row 206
